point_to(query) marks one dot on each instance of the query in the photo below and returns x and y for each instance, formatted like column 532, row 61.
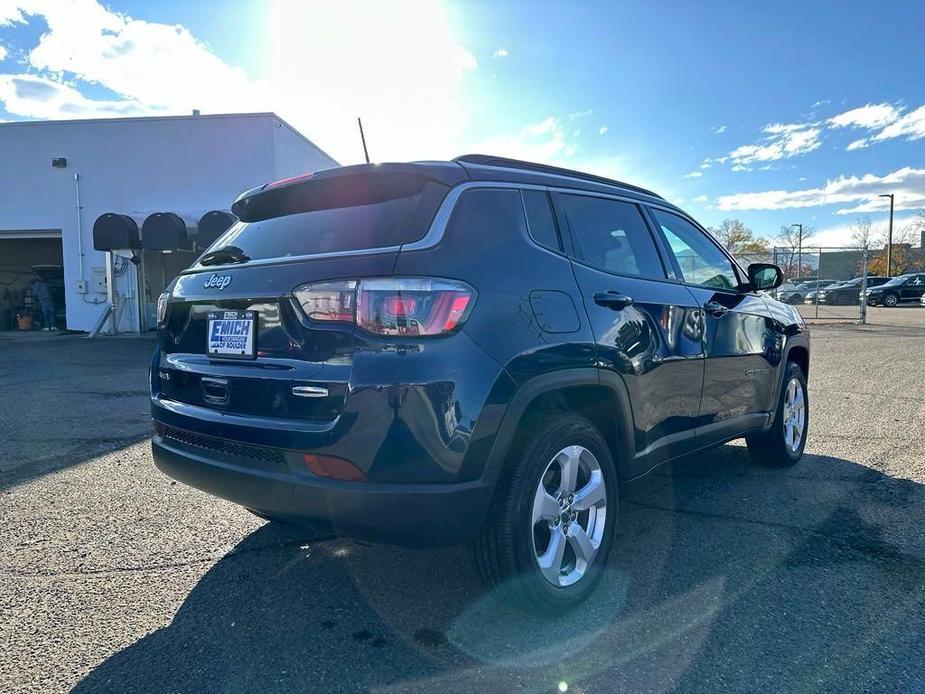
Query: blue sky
column 770, row 112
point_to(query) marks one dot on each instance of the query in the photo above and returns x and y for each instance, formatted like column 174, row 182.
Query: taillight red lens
column 396, row 306
column 400, row 306
column 411, row 306
column 457, row 311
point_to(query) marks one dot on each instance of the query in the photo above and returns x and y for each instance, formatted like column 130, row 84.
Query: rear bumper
column 404, row 514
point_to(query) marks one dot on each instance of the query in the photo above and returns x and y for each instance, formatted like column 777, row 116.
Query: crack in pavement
column 167, row 565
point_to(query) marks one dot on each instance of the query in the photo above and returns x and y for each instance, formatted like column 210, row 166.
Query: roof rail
column 491, row 160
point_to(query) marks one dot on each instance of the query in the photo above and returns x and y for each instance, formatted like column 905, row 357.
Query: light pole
column 800, row 251
column 889, row 238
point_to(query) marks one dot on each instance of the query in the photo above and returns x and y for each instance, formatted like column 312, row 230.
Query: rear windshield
column 338, row 215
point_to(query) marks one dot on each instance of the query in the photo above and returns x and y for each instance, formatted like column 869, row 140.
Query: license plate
column 231, row 334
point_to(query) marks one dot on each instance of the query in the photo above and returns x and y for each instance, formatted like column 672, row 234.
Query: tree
column 904, row 257
column 787, row 246
column 863, row 234
column 738, row 238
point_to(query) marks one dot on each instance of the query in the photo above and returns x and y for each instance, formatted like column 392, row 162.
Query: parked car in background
column 848, row 292
column 902, row 289
column 795, row 291
column 811, row 296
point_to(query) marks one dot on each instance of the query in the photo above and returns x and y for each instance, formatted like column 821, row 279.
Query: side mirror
column 763, row 276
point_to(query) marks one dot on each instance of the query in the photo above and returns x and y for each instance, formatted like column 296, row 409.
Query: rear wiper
column 226, row 254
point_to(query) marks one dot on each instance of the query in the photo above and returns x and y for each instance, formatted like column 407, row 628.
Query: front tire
column 544, row 545
column 783, row 444
column 890, row 300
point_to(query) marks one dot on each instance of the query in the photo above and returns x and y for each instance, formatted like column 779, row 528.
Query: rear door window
column 345, row 213
column 612, row 235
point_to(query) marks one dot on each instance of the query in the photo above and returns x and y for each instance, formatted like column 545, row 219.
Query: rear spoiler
column 337, row 186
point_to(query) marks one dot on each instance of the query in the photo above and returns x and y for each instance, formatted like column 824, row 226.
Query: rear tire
column 528, row 527
column 783, row 444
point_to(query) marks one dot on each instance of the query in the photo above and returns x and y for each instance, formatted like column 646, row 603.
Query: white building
column 187, row 165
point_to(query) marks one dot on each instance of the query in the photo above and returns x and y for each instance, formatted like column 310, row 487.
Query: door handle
column 613, row 300
column 715, row 309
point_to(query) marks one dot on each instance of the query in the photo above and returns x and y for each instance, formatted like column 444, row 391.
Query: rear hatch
column 342, row 224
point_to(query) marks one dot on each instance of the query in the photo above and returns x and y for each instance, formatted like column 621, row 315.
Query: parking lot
column 725, row 576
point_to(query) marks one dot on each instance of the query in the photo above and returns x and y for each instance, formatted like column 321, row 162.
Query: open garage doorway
column 158, row 270
column 31, row 274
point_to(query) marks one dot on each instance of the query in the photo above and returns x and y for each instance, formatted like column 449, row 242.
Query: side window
column 540, row 220
column 698, row 259
column 612, row 235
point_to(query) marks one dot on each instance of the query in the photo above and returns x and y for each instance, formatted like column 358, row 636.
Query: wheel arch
column 796, row 351
column 604, row 402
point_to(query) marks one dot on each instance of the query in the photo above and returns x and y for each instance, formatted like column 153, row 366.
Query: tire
column 510, row 545
column 795, row 299
column 890, row 300
column 772, row 448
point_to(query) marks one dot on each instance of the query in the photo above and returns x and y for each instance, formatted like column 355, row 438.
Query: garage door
column 25, row 258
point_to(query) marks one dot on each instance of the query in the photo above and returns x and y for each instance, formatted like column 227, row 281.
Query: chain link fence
column 823, row 283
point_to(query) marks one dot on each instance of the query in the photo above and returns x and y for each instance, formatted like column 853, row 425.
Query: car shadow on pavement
column 724, row 575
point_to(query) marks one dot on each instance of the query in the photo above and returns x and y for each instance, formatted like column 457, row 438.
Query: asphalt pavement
column 725, row 576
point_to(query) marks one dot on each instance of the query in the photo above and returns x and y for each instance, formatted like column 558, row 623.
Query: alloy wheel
column 794, row 415
column 569, row 515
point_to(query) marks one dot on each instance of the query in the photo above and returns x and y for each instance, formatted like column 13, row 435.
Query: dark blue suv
column 480, row 350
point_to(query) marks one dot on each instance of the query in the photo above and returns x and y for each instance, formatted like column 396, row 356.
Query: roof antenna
column 363, row 137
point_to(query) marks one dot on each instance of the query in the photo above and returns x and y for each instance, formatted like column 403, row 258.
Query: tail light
column 328, row 301
column 396, row 306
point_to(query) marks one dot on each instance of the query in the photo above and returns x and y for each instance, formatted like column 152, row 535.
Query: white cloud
column 910, row 126
column 602, row 130
column 870, row 116
column 782, row 141
column 3, row 52
column 411, row 108
column 575, row 115
column 544, row 141
column 907, row 183
column 701, row 199
column 739, row 167
column 694, row 174
column 500, row 53
column 39, row 97
column 858, row 144
column 720, row 130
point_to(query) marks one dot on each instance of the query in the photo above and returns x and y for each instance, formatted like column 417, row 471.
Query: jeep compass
column 482, row 350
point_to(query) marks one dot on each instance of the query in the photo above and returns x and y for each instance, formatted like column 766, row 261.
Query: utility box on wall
column 98, row 281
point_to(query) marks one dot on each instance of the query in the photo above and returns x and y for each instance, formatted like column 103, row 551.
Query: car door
column 647, row 327
column 913, row 289
column 740, row 342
